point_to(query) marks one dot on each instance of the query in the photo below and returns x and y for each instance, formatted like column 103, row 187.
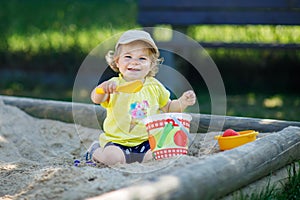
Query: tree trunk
column 92, row 116
column 210, row 178
column 88, row 115
column 222, row 173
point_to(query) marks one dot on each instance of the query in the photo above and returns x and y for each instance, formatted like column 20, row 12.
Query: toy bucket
column 168, row 134
column 231, row 142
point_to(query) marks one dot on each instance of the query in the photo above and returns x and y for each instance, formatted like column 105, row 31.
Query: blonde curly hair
column 112, row 56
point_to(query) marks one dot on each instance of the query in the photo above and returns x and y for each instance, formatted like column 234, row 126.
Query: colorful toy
column 228, row 141
column 181, row 126
column 168, row 127
column 230, row 132
column 78, row 163
column 166, row 137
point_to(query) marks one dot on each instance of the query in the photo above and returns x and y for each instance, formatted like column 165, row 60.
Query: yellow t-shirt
column 125, row 112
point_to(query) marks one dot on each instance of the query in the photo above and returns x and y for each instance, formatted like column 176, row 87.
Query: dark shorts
column 133, row 154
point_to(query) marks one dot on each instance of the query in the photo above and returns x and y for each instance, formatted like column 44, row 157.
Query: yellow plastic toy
column 130, row 87
column 230, row 142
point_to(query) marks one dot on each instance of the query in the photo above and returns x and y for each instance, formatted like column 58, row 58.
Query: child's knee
column 148, row 156
column 109, row 155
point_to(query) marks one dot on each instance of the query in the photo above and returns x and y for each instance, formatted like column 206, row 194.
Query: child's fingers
column 190, row 97
column 109, row 87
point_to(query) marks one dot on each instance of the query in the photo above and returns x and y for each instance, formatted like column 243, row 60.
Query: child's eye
column 127, row 56
column 143, row 58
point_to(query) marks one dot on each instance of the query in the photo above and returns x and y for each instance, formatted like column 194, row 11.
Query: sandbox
column 37, row 154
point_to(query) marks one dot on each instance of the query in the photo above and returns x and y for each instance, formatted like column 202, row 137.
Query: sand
column 37, row 160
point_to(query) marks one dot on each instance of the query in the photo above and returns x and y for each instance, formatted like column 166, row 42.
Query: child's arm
column 108, row 87
column 188, row 98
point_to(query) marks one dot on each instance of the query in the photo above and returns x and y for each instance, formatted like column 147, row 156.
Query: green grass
column 55, row 36
column 247, row 34
column 290, row 190
column 47, row 36
column 278, row 106
column 34, row 26
column 258, row 105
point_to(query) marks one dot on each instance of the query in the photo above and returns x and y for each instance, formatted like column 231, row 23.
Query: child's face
column 134, row 62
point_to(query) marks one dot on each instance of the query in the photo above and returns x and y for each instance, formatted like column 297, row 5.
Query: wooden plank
column 203, row 123
column 88, row 115
column 92, row 116
column 185, row 18
column 218, row 175
column 186, row 4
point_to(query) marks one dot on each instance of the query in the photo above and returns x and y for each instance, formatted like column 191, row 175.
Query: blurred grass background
column 43, row 43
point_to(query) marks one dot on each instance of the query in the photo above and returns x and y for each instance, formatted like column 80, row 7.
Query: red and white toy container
column 168, row 134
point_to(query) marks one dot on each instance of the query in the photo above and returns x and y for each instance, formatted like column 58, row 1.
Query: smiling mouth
column 133, row 69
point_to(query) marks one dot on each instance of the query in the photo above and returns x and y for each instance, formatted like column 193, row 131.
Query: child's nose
column 135, row 61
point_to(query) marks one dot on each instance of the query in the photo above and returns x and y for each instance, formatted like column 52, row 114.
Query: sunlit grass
column 86, row 39
column 247, row 34
column 32, row 31
column 273, row 102
column 56, row 41
column 32, row 26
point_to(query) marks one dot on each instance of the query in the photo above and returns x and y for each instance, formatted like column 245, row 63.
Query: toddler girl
column 125, row 139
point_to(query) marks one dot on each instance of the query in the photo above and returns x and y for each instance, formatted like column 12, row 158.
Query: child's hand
column 188, row 98
column 108, row 86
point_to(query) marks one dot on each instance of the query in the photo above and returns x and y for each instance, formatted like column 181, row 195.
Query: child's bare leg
column 148, row 156
column 109, row 155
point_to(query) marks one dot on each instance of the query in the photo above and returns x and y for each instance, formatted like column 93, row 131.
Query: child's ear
column 117, row 63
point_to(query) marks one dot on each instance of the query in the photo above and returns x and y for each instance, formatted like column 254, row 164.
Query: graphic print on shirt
column 138, row 111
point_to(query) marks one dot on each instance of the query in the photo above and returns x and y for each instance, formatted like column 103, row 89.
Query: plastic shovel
column 129, row 87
